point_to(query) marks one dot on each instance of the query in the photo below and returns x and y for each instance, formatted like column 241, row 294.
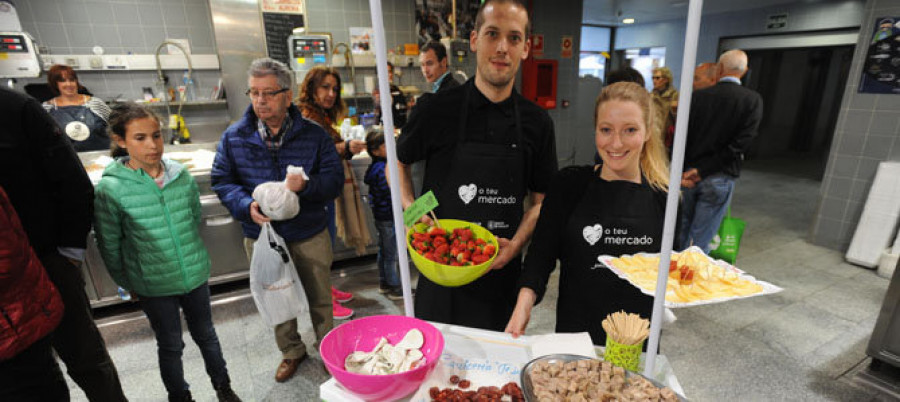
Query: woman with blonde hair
column 320, row 101
column 666, row 96
column 614, row 208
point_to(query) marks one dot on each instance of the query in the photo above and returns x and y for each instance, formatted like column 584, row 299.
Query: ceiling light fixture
column 628, row 21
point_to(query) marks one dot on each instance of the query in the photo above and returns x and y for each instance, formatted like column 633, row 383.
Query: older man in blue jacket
column 258, row 149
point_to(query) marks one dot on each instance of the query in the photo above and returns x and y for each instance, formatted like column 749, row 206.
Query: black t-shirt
column 431, row 133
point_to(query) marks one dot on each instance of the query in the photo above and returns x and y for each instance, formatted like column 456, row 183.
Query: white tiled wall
column 138, row 26
column 867, row 133
column 120, row 27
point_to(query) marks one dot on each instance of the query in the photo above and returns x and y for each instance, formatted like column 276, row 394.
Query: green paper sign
column 423, row 205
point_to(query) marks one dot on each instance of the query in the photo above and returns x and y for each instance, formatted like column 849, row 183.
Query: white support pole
column 387, row 118
column 684, row 107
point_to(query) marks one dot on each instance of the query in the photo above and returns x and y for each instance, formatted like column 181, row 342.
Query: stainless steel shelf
column 199, row 103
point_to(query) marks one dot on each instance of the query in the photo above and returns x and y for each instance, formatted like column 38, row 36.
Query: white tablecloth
column 484, row 358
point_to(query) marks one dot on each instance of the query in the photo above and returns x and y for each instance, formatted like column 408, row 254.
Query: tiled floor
column 797, row 345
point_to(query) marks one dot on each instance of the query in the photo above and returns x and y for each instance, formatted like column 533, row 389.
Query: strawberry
column 441, row 249
column 489, row 250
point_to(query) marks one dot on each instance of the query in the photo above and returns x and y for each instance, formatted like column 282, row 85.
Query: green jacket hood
column 119, row 170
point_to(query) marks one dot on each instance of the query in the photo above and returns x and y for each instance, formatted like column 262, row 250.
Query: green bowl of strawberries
column 454, row 254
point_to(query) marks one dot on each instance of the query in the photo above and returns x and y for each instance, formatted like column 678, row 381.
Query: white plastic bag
column 276, row 201
column 274, row 283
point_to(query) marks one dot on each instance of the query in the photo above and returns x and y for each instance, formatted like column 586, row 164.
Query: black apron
column 612, row 218
column 485, row 184
column 86, row 130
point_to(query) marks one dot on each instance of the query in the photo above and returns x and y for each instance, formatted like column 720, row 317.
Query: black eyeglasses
column 264, row 94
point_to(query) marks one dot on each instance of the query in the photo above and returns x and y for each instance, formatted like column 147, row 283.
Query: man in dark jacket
column 271, row 136
column 31, row 308
column 723, row 123
column 53, row 197
column 400, row 103
column 435, row 67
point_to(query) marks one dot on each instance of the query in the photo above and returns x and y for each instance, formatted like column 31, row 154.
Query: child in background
column 147, row 213
column 380, row 201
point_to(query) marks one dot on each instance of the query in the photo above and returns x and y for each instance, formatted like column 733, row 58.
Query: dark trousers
column 388, row 273
column 33, row 375
column 77, row 340
column 165, row 318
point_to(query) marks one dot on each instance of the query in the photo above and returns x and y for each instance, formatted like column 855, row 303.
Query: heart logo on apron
column 592, row 234
column 467, row 193
column 78, row 131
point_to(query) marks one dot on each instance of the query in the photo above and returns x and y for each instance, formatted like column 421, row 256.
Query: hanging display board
column 278, row 26
column 433, row 19
column 881, row 71
column 282, row 6
column 280, row 18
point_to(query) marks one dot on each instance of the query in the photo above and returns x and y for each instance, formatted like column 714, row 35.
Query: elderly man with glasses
column 271, row 136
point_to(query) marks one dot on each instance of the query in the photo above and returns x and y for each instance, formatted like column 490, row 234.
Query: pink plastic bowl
column 363, row 334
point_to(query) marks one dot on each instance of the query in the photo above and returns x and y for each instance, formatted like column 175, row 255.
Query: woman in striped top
column 83, row 118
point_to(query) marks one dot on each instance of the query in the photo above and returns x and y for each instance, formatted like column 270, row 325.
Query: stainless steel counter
column 220, row 231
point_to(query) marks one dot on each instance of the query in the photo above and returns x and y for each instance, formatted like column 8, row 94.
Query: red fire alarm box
column 539, row 81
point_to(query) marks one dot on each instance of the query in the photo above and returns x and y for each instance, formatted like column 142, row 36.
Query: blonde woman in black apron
column 83, row 118
column 613, row 208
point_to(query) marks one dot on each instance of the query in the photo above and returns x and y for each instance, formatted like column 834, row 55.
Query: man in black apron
column 486, row 148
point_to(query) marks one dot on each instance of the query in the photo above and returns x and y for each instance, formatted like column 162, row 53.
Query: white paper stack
column 879, row 217
column 566, row 344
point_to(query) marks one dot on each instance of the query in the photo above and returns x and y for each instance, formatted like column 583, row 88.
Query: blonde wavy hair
column 653, row 162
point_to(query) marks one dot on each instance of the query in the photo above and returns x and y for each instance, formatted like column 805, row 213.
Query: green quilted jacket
column 149, row 237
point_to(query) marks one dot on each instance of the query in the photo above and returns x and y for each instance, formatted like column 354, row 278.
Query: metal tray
column 528, row 389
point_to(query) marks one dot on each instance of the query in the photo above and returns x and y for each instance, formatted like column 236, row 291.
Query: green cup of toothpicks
column 625, row 335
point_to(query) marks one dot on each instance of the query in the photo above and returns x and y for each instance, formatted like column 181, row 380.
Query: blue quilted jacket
column 243, row 162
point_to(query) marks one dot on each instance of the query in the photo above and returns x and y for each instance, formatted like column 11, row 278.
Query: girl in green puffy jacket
column 147, row 213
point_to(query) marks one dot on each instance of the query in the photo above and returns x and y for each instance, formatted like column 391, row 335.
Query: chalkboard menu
column 278, row 27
